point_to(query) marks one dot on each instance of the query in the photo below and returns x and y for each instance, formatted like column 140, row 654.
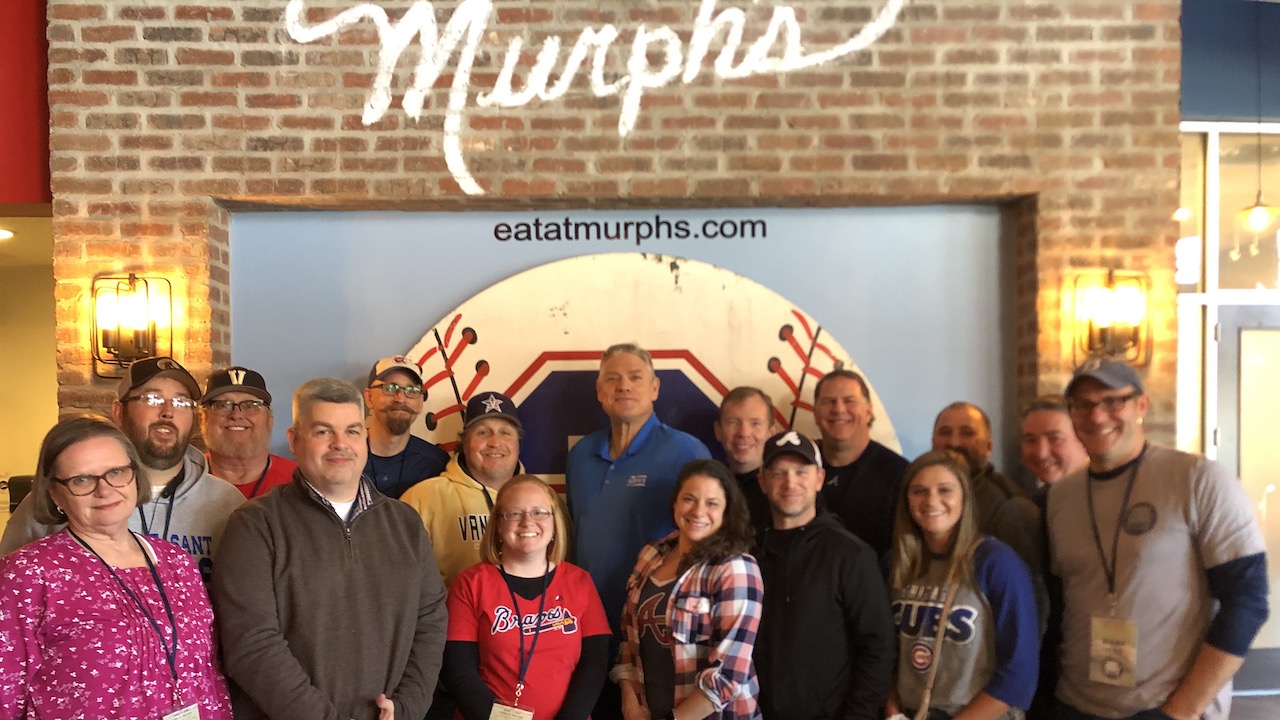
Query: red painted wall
column 24, row 103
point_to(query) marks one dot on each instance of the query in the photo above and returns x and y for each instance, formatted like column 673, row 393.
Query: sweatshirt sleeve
column 869, row 624
column 255, row 651
column 413, row 695
column 1004, row 580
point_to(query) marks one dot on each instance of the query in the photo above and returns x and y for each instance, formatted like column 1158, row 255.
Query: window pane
column 1247, row 259
column 1190, row 216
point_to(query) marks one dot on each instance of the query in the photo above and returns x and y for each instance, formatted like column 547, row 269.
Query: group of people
column 376, row 576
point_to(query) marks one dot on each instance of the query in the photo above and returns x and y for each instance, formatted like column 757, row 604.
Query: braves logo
column 557, row 618
column 544, row 351
column 652, row 619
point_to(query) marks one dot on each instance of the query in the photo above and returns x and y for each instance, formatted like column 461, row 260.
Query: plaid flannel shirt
column 714, row 614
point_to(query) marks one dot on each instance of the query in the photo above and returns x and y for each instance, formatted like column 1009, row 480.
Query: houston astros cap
column 1112, row 373
column 138, row 373
column 237, row 379
column 395, row 362
column 793, row 443
column 491, row 404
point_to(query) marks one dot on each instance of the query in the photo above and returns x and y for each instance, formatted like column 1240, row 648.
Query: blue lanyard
column 526, row 660
column 170, row 651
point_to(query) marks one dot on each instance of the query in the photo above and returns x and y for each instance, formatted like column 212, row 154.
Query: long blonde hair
column 907, row 558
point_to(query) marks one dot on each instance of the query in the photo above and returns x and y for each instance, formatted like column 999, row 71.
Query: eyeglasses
column 154, row 400
column 410, row 391
column 244, row 406
column 85, row 484
column 1112, row 404
column 518, row 515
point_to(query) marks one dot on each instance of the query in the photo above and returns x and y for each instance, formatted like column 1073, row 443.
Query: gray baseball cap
column 1115, row 374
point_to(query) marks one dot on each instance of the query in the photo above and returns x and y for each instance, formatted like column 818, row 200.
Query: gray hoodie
column 200, row 508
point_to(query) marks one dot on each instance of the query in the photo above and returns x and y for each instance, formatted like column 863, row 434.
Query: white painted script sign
column 778, row 49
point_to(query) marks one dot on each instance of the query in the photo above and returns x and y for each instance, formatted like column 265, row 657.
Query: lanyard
column 525, row 660
column 1110, row 569
column 258, row 485
column 170, row 652
column 170, row 492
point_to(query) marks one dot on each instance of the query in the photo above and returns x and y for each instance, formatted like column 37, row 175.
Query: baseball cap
column 794, row 443
column 1115, row 374
column 237, row 379
column 395, row 362
column 491, row 404
column 142, row 371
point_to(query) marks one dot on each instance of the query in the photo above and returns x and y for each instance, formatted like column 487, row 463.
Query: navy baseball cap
column 491, row 404
column 1114, row 374
column 791, row 442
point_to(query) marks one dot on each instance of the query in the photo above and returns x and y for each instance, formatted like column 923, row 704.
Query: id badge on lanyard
column 189, row 712
column 506, row 712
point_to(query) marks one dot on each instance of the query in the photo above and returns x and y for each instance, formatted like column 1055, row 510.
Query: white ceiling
column 31, row 244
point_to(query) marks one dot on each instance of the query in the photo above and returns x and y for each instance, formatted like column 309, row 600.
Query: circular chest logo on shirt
column 921, row 656
column 1140, row 519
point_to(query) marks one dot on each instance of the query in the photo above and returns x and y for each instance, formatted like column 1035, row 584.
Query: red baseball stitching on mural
column 448, row 333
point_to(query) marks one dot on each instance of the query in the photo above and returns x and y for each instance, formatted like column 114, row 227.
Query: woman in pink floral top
column 95, row 621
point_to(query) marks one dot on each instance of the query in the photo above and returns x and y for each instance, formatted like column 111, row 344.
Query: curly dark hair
column 735, row 535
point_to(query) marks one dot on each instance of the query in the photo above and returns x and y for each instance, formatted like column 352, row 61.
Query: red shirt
column 480, row 611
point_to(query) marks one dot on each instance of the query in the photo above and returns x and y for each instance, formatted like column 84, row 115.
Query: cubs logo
column 538, row 337
column 1140, row 519
column 920, row 620
column 921, row 657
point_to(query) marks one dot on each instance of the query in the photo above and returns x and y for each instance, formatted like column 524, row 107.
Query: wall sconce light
column 1111, row 316
column 132, row 315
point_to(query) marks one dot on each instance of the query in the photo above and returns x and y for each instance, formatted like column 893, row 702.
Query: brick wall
column 166, row 116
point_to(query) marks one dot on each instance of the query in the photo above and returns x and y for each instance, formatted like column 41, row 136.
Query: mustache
column 164, row 424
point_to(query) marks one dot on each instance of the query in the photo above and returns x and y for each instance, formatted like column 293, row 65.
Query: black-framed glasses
column 116, row 477
column 410, row 391
column 1113, row 404
column 244, row 406
column 155, row 400
column 518, row 515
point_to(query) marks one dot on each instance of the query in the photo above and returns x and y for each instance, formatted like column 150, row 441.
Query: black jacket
column 826, row 647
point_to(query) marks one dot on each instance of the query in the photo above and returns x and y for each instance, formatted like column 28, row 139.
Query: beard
column 398, row 419
column 155, row 454
column 241, row 448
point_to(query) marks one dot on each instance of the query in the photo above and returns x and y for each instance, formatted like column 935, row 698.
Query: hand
column 386, row 708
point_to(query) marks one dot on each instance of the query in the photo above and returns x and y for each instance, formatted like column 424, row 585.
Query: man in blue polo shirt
column 619, row 482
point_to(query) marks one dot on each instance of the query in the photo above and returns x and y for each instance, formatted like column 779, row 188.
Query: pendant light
column 1258, row 217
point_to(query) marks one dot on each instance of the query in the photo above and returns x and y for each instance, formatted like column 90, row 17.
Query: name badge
column 506, row 712
column 1113, row 651
column 190, row 712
